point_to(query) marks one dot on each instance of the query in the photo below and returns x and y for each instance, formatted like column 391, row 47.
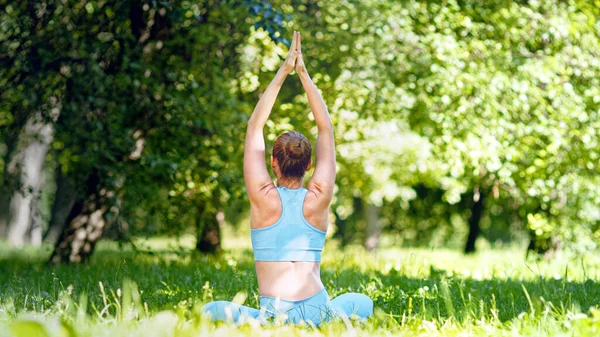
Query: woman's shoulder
column 267, row 209
column 266, row 200
column 316, row 199
column 318, row 193
column 316, row 209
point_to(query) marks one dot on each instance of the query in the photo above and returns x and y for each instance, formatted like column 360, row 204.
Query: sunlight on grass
column 416, row 292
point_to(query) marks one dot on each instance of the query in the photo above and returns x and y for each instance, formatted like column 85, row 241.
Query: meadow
column 417, row 292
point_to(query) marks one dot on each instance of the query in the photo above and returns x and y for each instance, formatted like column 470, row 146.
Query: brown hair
column 292, row 152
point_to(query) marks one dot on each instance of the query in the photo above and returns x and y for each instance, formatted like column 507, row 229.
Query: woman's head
column 292, row 153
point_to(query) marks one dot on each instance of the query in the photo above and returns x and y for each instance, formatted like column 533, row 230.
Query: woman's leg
column 353, row 304
column 230, row 312
column 312, row 310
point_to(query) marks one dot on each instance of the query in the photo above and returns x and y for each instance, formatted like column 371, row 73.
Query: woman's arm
column 256, row 175
column 323, row 179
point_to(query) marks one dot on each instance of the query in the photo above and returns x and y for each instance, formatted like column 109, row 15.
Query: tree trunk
column 5, row 192
column 545, row 245
column 476, row 213
column 341, row 229
column 64, row 200
column 348, row 226
column 86, row 224
column 373, row 228
column 4, row 207
column 209, row 238
column 36, row 227
column 27, row 164
column 208, row 229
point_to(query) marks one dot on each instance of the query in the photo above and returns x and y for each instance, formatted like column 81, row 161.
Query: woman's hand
column 300, row 68
column 290, row 61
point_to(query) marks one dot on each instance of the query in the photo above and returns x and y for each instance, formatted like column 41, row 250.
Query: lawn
column 416, row 292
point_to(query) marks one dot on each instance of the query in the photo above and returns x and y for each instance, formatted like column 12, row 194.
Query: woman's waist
column 288, row 280
column 321, row 297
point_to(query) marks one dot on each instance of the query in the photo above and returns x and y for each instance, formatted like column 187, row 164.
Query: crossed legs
column 350, row 304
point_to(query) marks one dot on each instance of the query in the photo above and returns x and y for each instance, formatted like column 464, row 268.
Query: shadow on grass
column 168, row 280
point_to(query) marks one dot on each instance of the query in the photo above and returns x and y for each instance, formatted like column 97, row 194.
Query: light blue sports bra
column 291, row 238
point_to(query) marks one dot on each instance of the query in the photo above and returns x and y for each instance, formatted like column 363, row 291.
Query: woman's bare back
column 289, row 280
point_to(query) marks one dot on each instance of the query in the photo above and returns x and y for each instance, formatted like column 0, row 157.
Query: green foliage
column 456, row 97
column 499, row 98
column 148, row 106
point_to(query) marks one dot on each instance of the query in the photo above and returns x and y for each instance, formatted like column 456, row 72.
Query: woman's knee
column 229, row 311
column 217, row 309
column 209, row 308
column 353, row 304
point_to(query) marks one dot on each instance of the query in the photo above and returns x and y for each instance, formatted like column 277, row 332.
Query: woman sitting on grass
column 288, row 221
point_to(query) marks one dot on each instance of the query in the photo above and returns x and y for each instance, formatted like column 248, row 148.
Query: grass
column 416, row 292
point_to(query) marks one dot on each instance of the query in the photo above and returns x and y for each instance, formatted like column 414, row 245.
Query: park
column 301, row 168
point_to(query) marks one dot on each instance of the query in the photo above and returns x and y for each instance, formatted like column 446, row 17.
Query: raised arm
column 323, row 179
column 256, row 176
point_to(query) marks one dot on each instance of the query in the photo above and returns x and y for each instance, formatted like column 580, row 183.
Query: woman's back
column 288, row 232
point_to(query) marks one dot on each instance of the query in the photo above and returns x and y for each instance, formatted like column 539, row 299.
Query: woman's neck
column 289, row 183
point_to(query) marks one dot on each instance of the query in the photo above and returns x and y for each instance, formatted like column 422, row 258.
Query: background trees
column 452, row 118
column 497, row 94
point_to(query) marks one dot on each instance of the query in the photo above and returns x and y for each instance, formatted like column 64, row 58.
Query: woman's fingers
column 292, row 58
column 298, row 42
column 294, row 43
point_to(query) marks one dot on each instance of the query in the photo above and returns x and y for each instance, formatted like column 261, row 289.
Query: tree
column 175, row 61
column 453, row 108
column 138, row 97
column 508, row 112
column 32, row 96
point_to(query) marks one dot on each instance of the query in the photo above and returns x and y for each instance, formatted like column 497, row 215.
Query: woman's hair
column 292, row 152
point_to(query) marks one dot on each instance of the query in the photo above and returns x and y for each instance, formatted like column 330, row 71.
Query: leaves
column 502, row 96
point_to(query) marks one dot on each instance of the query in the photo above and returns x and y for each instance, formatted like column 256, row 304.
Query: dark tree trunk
column 4, row 207
column 341, row 229
column 86, row 224
column 7, row 184
column 474, row 220
column 85, row 227
column 346, row 228
column 66, row 195
column 546, row 246
column 208, row 226
column 209, row 234
column 373, row 229
column 543, row 247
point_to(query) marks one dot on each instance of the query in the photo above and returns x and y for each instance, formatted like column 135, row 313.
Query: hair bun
column 292, row 152
column 295, row 148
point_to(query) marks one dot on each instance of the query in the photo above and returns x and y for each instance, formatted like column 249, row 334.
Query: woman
column 289, row 222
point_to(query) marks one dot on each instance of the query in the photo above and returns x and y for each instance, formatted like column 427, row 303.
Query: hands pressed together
column 294, row 58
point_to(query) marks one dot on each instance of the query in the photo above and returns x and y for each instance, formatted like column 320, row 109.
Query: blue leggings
column 315, row 309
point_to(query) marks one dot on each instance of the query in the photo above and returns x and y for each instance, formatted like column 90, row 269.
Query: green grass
column 416, row 292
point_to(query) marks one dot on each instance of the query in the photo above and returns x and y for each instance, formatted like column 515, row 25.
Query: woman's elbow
column 253, row 125
column 325, row 127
